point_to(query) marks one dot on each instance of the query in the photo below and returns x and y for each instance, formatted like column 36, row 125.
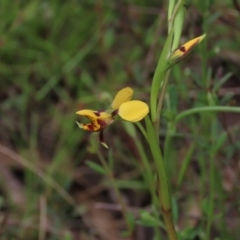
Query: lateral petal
column 133, row 111
column 91, row 127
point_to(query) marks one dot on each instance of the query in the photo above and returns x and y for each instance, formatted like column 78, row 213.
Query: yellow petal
column 94, row 114
column 99, row 120
column 183, row 50
column 124, row 95
column 133, row 111
column 91, row 127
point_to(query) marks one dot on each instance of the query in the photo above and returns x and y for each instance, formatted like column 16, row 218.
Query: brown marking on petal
column 182, row 49
column 114, row 113
column 90, row 127
column 97, row 114
column 102, row 123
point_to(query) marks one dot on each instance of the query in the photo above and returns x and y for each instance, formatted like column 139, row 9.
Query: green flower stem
column 115, row 187
column 176, row 14
column 171, row 4
column 163, row 189
column 159, row 76
column 150, row 176
column 179, row 4
column 142, row 129
column 176, row 22
column 161, row 99
column 206, row 109
column 146, row 164
column 151, row 183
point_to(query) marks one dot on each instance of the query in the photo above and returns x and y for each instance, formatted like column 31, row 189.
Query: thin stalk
column 206, row 109
column 204, row 173
column 114, row 185
column 148, row 172
column 142, row 129
column 147, row 167
column 160, row 100
column 151, row 183
column 174, row 12
column 171, row 4
column 163, row 189
column 211, row 197
column 159, row 76
column 212, row 180
column 167, row 146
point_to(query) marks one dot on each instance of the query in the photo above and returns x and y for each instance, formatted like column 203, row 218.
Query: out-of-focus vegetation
column 57, row 57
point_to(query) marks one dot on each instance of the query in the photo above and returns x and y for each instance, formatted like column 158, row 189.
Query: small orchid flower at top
column 182, row 51
column 122, row 105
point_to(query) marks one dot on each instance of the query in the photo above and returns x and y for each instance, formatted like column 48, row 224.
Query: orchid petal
column 124, row 95
column 133, row 111
column 90, row 114
column 91, row 127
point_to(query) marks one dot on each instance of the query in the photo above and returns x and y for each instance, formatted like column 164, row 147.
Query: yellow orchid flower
column 122, row 105
column 99, row 120
column 183, row 50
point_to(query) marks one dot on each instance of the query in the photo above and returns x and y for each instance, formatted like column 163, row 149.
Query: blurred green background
column 57, row 57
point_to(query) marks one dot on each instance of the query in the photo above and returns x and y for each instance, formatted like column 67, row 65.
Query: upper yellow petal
column 133, row 111
column 185, row 49
column 124, row 95
column 94, row 114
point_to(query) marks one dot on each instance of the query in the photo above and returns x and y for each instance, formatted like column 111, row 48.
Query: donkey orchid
column 122, row 105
